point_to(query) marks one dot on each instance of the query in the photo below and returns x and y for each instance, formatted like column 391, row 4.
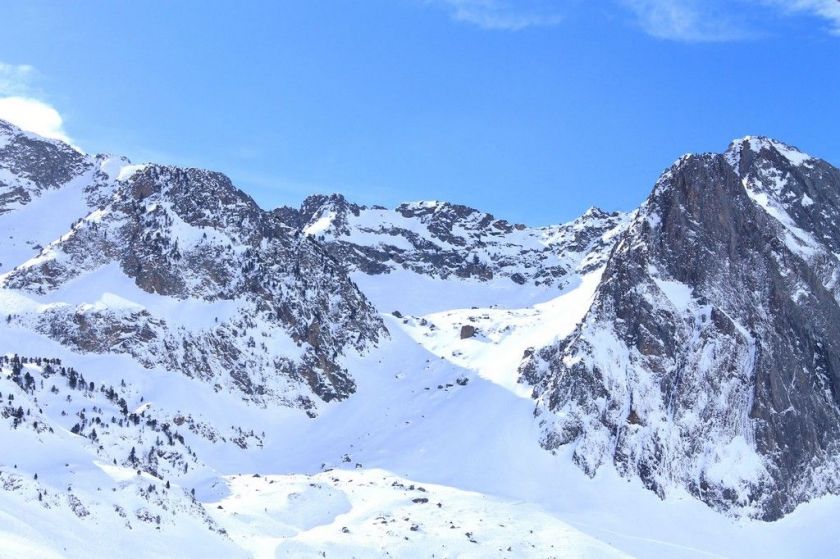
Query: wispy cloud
column 827, row 9
column 20, row 103
column 15, row 79
column 723, row 20
column 691, row 21
column 503, row 15
column 688, row 20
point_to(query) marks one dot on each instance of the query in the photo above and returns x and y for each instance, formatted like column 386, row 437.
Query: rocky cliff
column 710, row 357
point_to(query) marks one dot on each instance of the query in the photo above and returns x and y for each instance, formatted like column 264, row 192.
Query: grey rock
column 37, row 163
column 467, row 331
column 710, row 358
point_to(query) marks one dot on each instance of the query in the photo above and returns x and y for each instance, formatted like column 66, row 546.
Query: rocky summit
column 709, row 358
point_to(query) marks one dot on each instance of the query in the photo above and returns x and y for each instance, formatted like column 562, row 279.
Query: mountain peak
column 319, row 200
column 594, row 212
column 724, row 283
column 757, row 145
column 434, row 206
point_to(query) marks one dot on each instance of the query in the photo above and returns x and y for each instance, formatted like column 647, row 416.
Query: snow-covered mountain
column 444, row 240
column 185, row 373
column 199, row 279
column 710, row 357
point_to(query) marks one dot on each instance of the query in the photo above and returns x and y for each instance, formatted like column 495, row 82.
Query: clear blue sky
column 530, row 109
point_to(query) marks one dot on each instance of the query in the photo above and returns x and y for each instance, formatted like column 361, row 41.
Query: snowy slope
column 371, row 513
column 403, row 422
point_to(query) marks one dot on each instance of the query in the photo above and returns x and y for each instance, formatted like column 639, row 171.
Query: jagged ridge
column 287, row 310
column 443, row 240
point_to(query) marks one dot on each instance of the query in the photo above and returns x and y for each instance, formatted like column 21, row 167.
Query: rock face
column 31, row 165
column 278, row 310
column 444, row 240
column 710, row 357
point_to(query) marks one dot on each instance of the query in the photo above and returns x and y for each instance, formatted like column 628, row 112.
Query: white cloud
column 34, row 116
column 690, row 21
column 20, row 105
column 505, row 15
column 722, row 20
column 827, row 9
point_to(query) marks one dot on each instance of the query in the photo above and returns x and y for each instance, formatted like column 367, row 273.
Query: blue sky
column 531, row 109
